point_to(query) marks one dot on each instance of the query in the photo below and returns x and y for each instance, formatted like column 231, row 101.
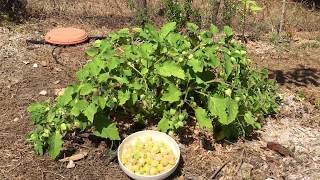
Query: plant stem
column 146, row 85
column 199, row 92
column 244, row 20
column 186, row 95
column 135, row 69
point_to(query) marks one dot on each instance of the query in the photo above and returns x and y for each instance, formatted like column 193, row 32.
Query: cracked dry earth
column 296, row 127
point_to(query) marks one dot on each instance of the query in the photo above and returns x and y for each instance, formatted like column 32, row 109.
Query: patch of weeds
column 277, row 39
column 317, row 103
column 300, row 96
column 310, row 45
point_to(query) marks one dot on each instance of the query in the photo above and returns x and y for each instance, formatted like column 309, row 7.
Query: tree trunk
column 142, row 11
column 282, row 16
column 215, row 11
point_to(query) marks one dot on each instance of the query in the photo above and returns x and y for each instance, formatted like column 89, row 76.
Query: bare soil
column 295, row 67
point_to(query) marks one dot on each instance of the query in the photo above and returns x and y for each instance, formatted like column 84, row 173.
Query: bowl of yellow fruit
column 147, row 155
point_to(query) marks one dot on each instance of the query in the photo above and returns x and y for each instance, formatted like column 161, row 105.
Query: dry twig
column 51, row 173
column 214, row 176
column 241, row 162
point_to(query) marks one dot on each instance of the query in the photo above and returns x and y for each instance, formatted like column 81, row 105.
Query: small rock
column 35, row 65
column 43, row 92
column 44, row 63
column 15, row 119
column 71, row 164
column 56, row 82
column 57, row 69
column 25, row 62
column 59, row 92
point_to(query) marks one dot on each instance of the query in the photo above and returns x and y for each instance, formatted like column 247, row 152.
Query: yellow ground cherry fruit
column 148, row 156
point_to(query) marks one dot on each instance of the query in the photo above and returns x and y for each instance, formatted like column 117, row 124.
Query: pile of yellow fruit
column 148, row 156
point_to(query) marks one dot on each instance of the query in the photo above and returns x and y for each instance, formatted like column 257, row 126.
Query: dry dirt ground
column 295, row 66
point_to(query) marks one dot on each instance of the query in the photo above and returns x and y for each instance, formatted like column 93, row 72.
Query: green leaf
column 135, row 85
column 55, row 143
column 103, row 77
column 192, row 27
column 228, row 66
column 196, row 65
column 92, row 51
column 127, row 72
column 38, row 112
column 66, row 97
column 121, row 80
column 90, row 111
column 228, row 31
column 105, row 45
column 248, row 117
column 79, row 107
column 255, row 8
column 151, row 30
column 226, row 109
column 145, row 50
column 82, row 74
column 170, row 68
column 38, row 147
column 97, row 43
column 86, row 89
column 123, row 97
column 202, row 118
column 134, row 97
column 36, row 107
column 102, row 101
column 167, row 28
column 163, row 125
column 144, row 71
column 172, row 94
column 199, row 80
column 105, row 128
column 212, row 56
column 214, row 29
column 81, row 122
column 37, row 142
column 113, row 63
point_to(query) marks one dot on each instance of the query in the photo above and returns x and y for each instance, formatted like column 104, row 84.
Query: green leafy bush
column 13, row 9
column 161, row 76
column 181, row 12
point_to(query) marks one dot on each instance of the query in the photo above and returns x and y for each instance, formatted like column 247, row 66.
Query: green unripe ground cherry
column 63, row 127
column 147, row 156
column 228, row 92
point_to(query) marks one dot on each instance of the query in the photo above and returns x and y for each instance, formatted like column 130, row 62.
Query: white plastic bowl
column 158, row 136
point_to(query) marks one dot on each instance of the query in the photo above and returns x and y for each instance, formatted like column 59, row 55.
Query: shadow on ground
column 301, row 76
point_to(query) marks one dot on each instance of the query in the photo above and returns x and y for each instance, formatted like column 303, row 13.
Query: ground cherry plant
column 163, row 76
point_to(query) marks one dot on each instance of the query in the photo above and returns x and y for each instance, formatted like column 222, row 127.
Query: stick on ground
column 218, row 170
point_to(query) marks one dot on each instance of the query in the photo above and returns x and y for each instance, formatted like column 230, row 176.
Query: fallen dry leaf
column 59, row 92
column 279, row 149
column 71, row 164
column 75, row 157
